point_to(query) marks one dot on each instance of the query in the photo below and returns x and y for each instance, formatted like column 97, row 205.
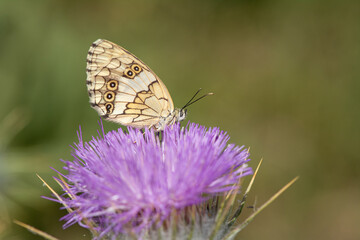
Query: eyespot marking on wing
column 109, row 108
column 112, row 85
column 109, row 96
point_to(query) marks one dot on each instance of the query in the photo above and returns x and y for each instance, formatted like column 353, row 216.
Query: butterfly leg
column 160, row 135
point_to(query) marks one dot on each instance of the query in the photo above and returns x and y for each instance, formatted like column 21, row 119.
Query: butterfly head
column 178, row 115
column 175, row 116
column 181, row 115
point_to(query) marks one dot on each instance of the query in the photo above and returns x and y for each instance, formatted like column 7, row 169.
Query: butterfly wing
column 123, row 89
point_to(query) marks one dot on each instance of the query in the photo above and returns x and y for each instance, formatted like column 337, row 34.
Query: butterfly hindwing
column 123, row 89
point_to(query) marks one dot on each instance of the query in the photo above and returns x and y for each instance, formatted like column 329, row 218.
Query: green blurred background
column 285, row 76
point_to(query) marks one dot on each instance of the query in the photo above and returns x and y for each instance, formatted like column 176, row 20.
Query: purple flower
column 131, row 181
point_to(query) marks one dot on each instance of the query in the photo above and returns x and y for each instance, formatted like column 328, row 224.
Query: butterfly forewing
column 123, row 89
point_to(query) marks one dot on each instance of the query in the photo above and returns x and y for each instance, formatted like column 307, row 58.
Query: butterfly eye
column 129, row 73
column 109, row 96
column 109, row 107
column 136, row 68
column 112, row 85
column 182, row 114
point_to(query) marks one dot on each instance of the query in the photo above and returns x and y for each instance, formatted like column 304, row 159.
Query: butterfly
column 125, row 90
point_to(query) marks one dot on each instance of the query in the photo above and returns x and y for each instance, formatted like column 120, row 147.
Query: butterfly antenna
column 188, row 103
column 208, row 94
column 191, row 102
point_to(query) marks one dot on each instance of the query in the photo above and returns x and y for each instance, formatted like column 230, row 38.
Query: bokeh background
column 285, row 76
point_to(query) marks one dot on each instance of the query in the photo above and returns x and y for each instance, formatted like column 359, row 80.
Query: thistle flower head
column 131, row 181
